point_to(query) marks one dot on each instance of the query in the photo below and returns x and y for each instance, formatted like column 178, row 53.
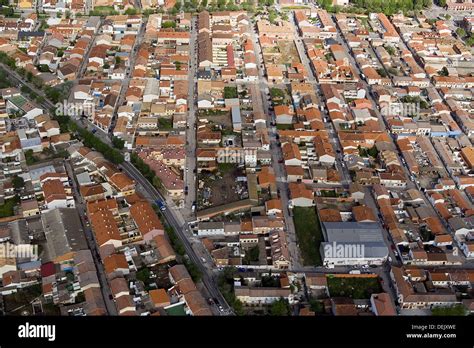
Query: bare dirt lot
column 284, row 53
column 223, row 188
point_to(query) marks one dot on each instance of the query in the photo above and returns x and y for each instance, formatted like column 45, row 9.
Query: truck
column 161, row 205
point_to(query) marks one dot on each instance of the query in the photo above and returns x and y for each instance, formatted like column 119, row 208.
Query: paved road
column 311, row 78
column 189, row 175
column 172, row 215
column 174, row 218
column 262, row 87
column 128, row 74
column 85, row 59
column 92, row 243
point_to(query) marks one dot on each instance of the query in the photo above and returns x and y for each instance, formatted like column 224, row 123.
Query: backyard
column 8, row 208
column 309, row 234
column 220, row 188
column 20, row 302
column 354, row 287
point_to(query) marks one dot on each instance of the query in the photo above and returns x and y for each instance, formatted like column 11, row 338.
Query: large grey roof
column 353, row 232
column 63, row 231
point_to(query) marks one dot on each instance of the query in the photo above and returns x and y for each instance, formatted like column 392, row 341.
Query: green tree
column 18, row 182
column 157, row 182
column 30, row 158
column 43, row 68
column 461, row 32
column 444, row 71
column 131, row 11
column 470, row 41
column 168, row 24
column 118, row 143
column 254, row 253
column 373, row 152
column 280, row 308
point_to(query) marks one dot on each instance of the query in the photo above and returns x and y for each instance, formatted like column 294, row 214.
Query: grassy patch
column 456, row 310
column 7, row 209
column 356, row 288
column 21, row 300
column 328, row 193
column 103, row 11
column 226, row 167
column 317, row 306
column 284, row 126
column 288, row 8
column 230, row 92
column 165, row 123
column 309, row 234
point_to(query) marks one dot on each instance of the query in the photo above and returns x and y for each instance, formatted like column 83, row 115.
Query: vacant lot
column 284, row 53
column 309, row 234
column 8, row 208
column 20, row 302
column 223, row 188
column 356, row 288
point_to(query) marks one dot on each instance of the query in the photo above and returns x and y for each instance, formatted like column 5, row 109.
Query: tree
column 373, row 152
column 8, row 11
column 381, row 72
column 30, row 158
column 168, row 24
column 461, row 32
column 442, row 3
column 131, row 11
column 156, row 182
column 280, row 308
column 254, row 253
column 443, row 72
column 43, row 68
column 18, row 182
column 390, row 50
column 118, row 143
column 470, row 41
column 193, row 270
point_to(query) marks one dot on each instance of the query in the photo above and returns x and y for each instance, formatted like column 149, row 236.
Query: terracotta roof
column 114, row 262
column 145, row 217
column 159, row 297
